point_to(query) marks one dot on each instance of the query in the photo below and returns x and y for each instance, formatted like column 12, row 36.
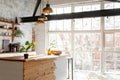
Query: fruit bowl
column 56, row 52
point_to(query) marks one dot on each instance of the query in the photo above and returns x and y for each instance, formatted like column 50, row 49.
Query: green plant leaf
column 33, row 43
column 28, row 48
column 27, row 43
column 18, row 33
column 22, row 49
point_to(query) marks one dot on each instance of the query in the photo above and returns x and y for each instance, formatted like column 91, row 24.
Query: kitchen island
column 33, row 68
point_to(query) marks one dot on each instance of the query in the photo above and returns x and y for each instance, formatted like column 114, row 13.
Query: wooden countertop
column 31, row 58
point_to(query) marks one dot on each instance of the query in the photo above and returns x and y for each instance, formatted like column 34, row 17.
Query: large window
column 94, row 43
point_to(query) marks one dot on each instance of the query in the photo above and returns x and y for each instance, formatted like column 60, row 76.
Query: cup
column 26, row 56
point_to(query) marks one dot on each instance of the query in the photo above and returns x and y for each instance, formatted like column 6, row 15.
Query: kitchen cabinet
column 33, row 68
column 36, row 67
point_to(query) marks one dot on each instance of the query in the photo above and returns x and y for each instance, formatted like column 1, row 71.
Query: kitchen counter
column 13, row 66
column 30, row 58
column 33, row 68
column 20, row 57
column 13, row 54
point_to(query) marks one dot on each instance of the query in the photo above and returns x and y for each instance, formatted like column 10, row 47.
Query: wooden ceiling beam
column 98, row 13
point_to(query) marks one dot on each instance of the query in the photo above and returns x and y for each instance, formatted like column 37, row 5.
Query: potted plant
column 26, row 47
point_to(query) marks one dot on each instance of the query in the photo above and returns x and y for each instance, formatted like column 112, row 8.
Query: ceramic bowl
column 56, row 52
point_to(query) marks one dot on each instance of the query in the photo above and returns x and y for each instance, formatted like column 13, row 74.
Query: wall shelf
column 11, row 29
column 4, row 21
column 5, row 29
column 5, row 35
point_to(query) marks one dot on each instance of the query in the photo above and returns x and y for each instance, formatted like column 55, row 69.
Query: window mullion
column 72, row 31
column 102, row 42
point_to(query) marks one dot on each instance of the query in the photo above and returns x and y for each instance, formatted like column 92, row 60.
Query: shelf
column 10, row 22
column 5, row 29
column 5, row 35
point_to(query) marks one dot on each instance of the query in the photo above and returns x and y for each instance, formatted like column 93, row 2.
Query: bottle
column 49, row 51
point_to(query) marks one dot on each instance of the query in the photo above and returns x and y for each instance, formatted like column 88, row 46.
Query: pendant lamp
column 42, row 17
column 47, row 9
column 40, row 21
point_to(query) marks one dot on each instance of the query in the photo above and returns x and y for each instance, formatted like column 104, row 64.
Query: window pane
column 96, row 55
column 110, row 66
column 67, row 25
column 117, row 41
column 87, row 24
column 109, row 56
column 95, row 42
column 118, row 66
column 52, row 25
column 87, row 8
column 96, row 65
column 117, row 5
column 60, row 11
column 82, row 40
column 112, row 41
column 110, row 61
column 67, row 10
column 95, row 23
column 78, row 9
column 117, row 22
column 78, row 24
column 109, row 23
column 95, row 7
column 118, row 56
column 109, row 42
column 108, row 6
column 60, row 25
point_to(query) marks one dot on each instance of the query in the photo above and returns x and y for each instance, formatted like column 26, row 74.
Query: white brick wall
column 27, row 31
